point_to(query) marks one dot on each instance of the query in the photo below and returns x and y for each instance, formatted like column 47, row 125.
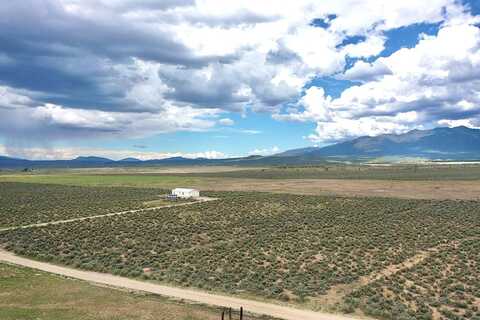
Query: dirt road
column 256, row 307
column 43, row 224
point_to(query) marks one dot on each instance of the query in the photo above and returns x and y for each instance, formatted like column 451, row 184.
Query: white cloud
column 371, row 47
column 364, row 71
column 52, row 122
column 341, row 129
column 59, row 153
column 471, row 123
column 250, row 131
column 316, row 107
column 317, row 49
column 265, row 151
column 13, row 98
column 436, row 82
column 226, row 122
column 384, row 15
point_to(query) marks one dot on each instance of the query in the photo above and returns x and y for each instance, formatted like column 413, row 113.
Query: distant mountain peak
column 92, row 159
column 130, row 159
column 438, row 143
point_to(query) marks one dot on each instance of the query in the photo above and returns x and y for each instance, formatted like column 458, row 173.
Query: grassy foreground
column 28, row 294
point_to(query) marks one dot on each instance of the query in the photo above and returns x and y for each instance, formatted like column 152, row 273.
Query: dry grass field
column 28, row 294
column 437, row 182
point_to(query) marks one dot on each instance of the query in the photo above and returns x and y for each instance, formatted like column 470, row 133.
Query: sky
column 212, row 78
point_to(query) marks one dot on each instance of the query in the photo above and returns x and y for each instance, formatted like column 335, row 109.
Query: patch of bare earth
column 463, row 190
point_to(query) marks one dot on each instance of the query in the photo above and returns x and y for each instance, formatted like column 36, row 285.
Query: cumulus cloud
column 435, row 83
column 370, row 47
column 471, row 123
column 27, row 120
column 364, row 71
column 79, row 68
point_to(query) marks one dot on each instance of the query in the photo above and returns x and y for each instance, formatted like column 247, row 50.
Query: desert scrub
column 287, row 247
column 446, row 285
column 25, row 203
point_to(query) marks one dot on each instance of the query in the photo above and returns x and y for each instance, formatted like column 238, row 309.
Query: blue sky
column 220, row 79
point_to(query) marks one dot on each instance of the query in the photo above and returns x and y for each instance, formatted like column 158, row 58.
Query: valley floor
column 406, row 189
column 299, row 248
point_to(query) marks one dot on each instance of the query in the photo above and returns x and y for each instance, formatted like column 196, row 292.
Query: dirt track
column 256, row 307
column 44, row 224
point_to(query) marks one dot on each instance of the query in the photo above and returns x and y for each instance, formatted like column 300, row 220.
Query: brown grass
column 466, row 190
column 29, row 294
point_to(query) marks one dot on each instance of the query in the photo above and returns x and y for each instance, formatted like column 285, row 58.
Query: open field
column 304, row 250
column 354, row 172
column 160, row 169
column 29, row 294
column 103, row 180
column 433, row 189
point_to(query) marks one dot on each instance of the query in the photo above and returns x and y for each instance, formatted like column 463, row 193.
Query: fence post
column 229, row 313
column 241, row 313
column 223, row 314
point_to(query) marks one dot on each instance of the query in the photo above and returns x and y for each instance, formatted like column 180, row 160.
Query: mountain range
column 439, row 143
column 459, row 143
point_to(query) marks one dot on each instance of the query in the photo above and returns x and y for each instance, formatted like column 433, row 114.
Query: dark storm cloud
column 43, row 27
column 73, row 57
column 195, row 88
column 82, row 54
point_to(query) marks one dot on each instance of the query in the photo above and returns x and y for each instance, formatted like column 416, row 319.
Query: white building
column 186, row 193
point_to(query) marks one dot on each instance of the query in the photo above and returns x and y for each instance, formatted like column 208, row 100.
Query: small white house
column 185, row 193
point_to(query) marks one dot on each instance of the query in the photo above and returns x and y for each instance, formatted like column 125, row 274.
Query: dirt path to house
column 43, row 224
column 256, row 307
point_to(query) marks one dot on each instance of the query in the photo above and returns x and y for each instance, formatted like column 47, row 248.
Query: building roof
column 184, row 189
